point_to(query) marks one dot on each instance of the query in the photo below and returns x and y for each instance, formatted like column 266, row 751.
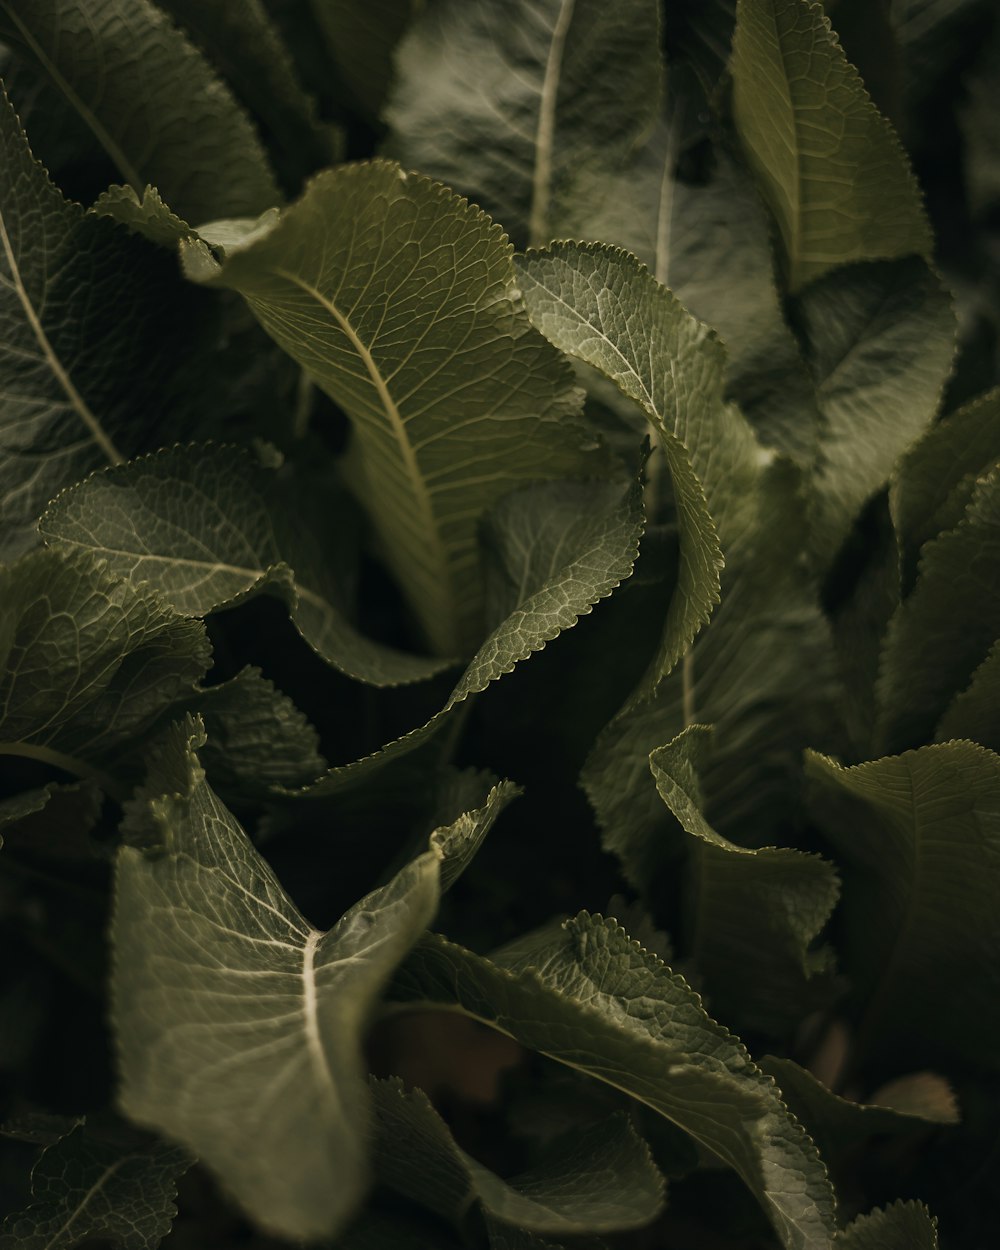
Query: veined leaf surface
column 398, row 299
column 830, row 166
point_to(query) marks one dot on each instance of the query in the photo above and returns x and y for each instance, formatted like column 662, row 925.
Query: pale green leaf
column 879, row 346
column 149, row 216
column 506, row 103
column 87, row 662
column 208, row 527
column 93, row 1184
column 556, row 550
column 361, row 37
column 919, row 840
column 454, row 398
column 901, row 1226
column 830, row 166
column 942, row 632
column 754, row 913
column 236, row 1020
column 934, row 483
column 585, row 995
column 150, row 99
column 598, row 1179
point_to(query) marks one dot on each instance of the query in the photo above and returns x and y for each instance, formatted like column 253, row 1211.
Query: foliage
column 348, row 502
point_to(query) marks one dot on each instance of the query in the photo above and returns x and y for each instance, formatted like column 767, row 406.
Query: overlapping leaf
column 150, row 99
column 919, row 836
column 506, row 104
column 208, row 527
column 601, row 1179
column 830, row 166
column 975, row 711
column 361, row 38
column 902, row 1226
column 586, row 996
column 236, row 1020
column 398, row 299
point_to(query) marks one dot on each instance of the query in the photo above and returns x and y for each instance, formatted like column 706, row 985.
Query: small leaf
column 150, row 99
column 828, row 163
column 93, row 1184
column 916, row 832
column 236, row 1021
column 454, row 399
column 585, row 995
column 507, row 103
column 209, row 527
column 902, row 1226
column 599, row 1179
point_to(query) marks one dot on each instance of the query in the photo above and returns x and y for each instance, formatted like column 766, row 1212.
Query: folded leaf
column 236, row 1021
column 454, row 398
column 943, row 631
column 151, row 100
column 507, row 103
column 918, row 832
column 87, row 662
column 91, row 1185
column 208, row 527
column 830, row 166
column 585, row 995
column 600, row 1179
column 902, row 1226
column 879, row 346
column 754, row 914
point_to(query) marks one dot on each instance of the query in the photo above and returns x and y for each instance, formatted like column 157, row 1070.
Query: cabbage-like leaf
column 208, row 527
column 454, row 398
column 829, row 164
column 755, row 912
column 919, row 837
column 151, row 100
column 236, row 1020
column 507, row 103
column 98, row 1183
column 599, row 1179
column 585, row 995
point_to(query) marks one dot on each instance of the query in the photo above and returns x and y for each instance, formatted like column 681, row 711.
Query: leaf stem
column 68, row 764
column 688, row 686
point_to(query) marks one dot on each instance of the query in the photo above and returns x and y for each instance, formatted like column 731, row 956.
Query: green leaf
column 975, row 711
column 87, row 662
column 151, row 100
column 981, row 131
column 507, row 103
column 209, row 527
column 902, row 1226
column 453, row 397
column 754, row 913
column 916, row 832
column 361, row 38
column 943, row 631
column 830, row 166
column 879, row 346
column 235, row 1019
column 599, row 1179
column 837, row 1125
column 935, row 481
column 602, row 306
column 54, row 820
column 585, row 995
column 93, row 1184
column 557, row 549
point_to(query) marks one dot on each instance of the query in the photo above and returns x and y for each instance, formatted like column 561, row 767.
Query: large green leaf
column 902, row 1226
column 454, row 398
column 585, row 995
column 87, row 661
column 879, row 345
column 829, row 165
column 98, row 1184
column 600, row 1179
column 236, row 1020
column 554, row 551
column 942, row 632
column 754, row 913
column 208, row 527
column 150, row 99
column 506, row 103
column 920, row 839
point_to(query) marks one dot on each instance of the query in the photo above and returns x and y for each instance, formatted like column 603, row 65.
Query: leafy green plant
column 500, row 686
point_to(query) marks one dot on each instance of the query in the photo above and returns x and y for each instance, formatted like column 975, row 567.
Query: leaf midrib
column 541, row 186
column 81, row 1206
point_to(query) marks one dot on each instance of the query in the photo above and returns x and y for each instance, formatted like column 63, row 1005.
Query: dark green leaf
column 903, row 1226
